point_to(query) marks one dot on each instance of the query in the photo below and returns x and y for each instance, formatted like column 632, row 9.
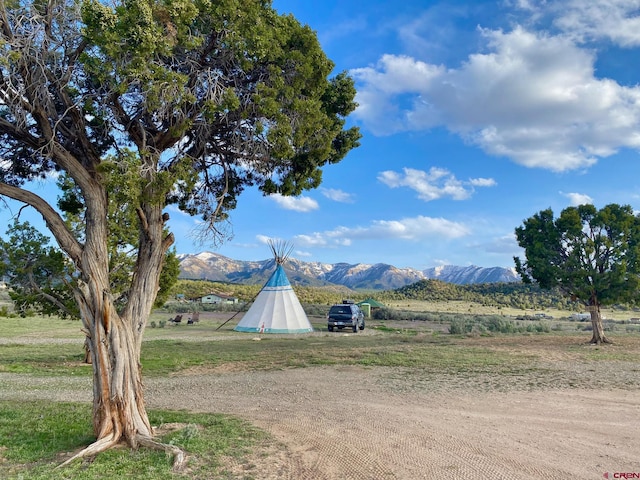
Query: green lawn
column 35, row 436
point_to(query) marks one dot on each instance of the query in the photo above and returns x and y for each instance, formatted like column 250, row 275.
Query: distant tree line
column 513, row 295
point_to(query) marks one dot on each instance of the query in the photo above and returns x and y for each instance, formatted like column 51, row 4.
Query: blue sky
column 475, row 116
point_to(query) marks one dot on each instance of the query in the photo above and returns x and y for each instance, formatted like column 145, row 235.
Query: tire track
column 351, row 423
column 356, row 423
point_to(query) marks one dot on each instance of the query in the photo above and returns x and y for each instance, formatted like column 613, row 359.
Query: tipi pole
column 234, row 315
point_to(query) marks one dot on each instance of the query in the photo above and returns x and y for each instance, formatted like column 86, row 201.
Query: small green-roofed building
column 373, row 303
column 368, row 305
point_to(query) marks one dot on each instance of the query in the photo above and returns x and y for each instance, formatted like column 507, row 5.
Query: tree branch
column 54, row 221
column 20, row 134
column 51, row 299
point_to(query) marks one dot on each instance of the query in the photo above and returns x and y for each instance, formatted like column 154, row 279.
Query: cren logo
column 606, row 475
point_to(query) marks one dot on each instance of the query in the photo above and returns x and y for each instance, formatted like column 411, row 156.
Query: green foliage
column 460, row 326
column 500, row 325
column 383, row 313
column 123, row 186
column 168, row 277
column 39, row 275
column 494, row 324
column 515, row 295
column 591, row 255
column 217, row 74
column 41, row 279
column 192, row 289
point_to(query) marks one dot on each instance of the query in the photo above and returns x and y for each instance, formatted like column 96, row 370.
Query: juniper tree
column 187, row 103
column 593, row 256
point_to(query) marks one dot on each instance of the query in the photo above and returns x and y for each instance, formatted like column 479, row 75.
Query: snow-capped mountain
column 215, row 267
column 471, row 274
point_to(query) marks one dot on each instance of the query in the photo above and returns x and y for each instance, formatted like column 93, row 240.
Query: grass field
column 35, row 435
column 463, row 307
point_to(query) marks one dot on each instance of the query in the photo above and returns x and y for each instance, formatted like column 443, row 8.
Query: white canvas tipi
column 276, row 309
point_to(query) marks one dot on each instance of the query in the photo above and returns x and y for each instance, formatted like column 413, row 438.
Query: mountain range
column 218, row 268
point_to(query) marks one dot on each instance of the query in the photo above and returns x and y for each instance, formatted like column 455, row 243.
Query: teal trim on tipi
column 276, row 309
column 278, row 278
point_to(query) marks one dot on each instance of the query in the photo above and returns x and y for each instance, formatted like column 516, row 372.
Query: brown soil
column 359, row 423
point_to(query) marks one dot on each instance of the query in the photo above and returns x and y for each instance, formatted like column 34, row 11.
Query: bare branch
column 54, row 221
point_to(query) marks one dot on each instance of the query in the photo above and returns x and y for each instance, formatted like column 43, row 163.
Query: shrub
column 315, row 310
column 460, row 326
column 499, row 325
column 384, row 313
column 541, row 327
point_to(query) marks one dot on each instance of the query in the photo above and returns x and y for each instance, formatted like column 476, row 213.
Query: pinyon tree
column 187, row 103
column 591, row 255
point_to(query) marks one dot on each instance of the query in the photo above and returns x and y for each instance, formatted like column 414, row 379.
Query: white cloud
column 337, row 195
column 264, row 239
column 434, row 184
column 531, row 97
column 529, row 5
column 614, row 20
column 174, row 209
column 483, row 182
column 417, row 228
column 323, row 239
column 412, row 229
column 578, row 198
column 298, row 204
column 500, row 245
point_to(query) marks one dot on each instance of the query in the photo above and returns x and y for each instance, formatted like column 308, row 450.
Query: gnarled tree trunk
column 114, row 339
column 598, row 336
column 118, row 402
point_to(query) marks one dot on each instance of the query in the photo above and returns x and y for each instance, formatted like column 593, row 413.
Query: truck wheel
column 331, row 329
column 355, row 329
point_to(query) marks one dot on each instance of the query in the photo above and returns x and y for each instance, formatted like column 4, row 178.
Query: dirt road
column 358, row 423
